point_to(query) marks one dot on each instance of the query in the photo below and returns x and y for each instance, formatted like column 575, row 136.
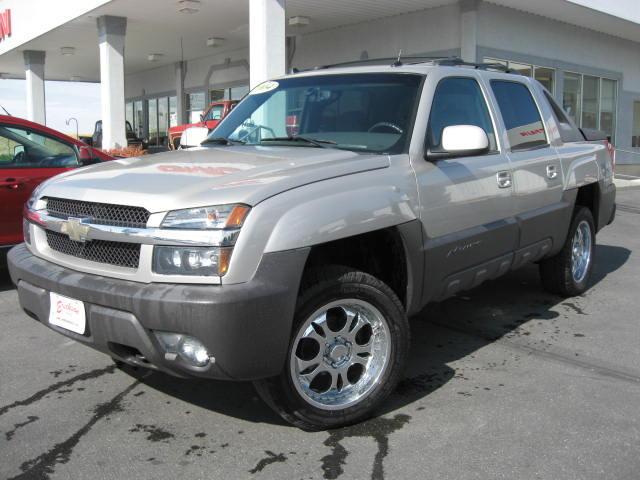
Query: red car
column 210, row 119
column 29, row 154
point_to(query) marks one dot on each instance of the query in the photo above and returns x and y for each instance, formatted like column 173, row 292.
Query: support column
column 469, row 30
column 111, row 34
column 181, row 111
column 267, row 51
column 34, row 72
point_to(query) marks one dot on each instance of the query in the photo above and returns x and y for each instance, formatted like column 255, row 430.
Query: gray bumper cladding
column 246, row 327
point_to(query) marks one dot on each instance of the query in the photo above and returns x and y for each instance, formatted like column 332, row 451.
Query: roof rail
column 415, row 60
column 393, row 61
column 457, row 61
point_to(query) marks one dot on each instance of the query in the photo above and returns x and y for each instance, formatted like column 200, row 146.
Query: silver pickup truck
column 328, row 207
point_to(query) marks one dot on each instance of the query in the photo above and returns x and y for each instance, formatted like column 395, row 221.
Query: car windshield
column 361, row 112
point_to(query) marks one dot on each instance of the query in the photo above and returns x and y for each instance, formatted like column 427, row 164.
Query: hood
column 208, row 176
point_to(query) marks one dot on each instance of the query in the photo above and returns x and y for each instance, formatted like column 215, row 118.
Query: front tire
column 347, row 352
column 568, row 272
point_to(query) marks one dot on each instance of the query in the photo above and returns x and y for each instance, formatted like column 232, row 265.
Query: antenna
column 5, row 110
column 398, row 63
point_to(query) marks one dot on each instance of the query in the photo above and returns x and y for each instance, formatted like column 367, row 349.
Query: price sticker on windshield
column 264, row 87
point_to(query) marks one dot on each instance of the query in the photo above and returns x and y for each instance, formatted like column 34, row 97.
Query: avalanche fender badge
column 264, row 87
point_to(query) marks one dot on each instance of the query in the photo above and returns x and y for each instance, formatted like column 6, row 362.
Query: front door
column 27, row 158
column 466, row 201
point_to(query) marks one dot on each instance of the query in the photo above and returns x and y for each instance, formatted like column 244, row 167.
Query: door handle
column 504, row 179
column 11, row 184
column 551, row 172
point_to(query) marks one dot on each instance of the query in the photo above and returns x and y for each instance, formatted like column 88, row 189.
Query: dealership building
column 161, row 62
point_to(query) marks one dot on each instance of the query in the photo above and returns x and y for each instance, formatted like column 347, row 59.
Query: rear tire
column 568, row 272
column 348, row 349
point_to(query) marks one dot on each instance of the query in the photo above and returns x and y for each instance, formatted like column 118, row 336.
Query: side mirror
column 461, row 141
column 202, row 117
column 18, row 149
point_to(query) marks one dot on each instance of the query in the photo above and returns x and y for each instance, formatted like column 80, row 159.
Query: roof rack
column 416, row 60
column 393, row 61
column 457, row 61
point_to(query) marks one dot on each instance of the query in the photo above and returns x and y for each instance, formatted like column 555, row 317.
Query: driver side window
column 21, row 148
column 458, row 101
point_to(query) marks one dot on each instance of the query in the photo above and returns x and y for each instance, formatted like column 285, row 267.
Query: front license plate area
column 67, row 313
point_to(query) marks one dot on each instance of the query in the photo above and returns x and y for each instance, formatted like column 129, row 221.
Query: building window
column 128, row 108
column 195, row 106
column 173, row 111
column 608, row 103
column 138, row 125
column 635, row 130
column 237, row 93
column 544, row 75
column 153, row 121
column 591, row 101
column 217, row 94
column 571, row 95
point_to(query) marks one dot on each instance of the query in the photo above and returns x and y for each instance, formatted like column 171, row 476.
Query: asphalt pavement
column 504, row 381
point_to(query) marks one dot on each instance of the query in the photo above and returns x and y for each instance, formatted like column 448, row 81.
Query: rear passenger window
column 520, row 115
column 458, row 101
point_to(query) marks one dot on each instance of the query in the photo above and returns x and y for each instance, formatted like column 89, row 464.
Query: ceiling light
column 75, row 78
column 67, row 51
column 215, row 42
column 189, row 6
column 154, row 57
column 299, row 22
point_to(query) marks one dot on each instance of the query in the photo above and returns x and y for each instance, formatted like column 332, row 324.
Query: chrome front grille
column 100, row 213
column 112, row 253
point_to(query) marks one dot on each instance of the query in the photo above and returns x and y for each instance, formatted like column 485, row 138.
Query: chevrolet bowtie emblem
column 76, row 228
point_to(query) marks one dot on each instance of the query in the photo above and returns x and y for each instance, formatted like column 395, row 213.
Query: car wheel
column 568, row 273
column 348, row 348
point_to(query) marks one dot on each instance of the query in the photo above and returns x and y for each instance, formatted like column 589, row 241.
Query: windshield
column 361, row 112
column 214, row 113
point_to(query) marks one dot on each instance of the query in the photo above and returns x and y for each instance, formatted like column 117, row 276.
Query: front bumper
column 246, row 327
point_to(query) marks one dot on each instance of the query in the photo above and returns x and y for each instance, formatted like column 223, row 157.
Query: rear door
column 27, row 158
column 538, row 201
column 465, row 201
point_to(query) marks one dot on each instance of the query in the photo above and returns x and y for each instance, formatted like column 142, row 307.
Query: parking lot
column 504, row 381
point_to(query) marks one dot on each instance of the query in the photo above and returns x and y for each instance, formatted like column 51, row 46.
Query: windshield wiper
column 318, row 142
column 222, row 141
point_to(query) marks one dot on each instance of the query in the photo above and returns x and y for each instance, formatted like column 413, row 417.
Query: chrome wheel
column 581, row 252
column 339, row 354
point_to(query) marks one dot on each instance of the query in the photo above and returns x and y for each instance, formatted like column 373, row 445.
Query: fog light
column 198, row 261
column 190, row 349
column 193, row 351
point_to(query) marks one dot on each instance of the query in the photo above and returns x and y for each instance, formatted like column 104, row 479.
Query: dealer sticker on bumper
column 67, row 313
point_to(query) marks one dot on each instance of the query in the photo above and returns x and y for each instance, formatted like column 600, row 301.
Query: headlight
column 207, row 218
column 31, row 203
column 198, row 261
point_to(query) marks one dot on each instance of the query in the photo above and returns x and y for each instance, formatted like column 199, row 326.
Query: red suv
column 29, row 154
